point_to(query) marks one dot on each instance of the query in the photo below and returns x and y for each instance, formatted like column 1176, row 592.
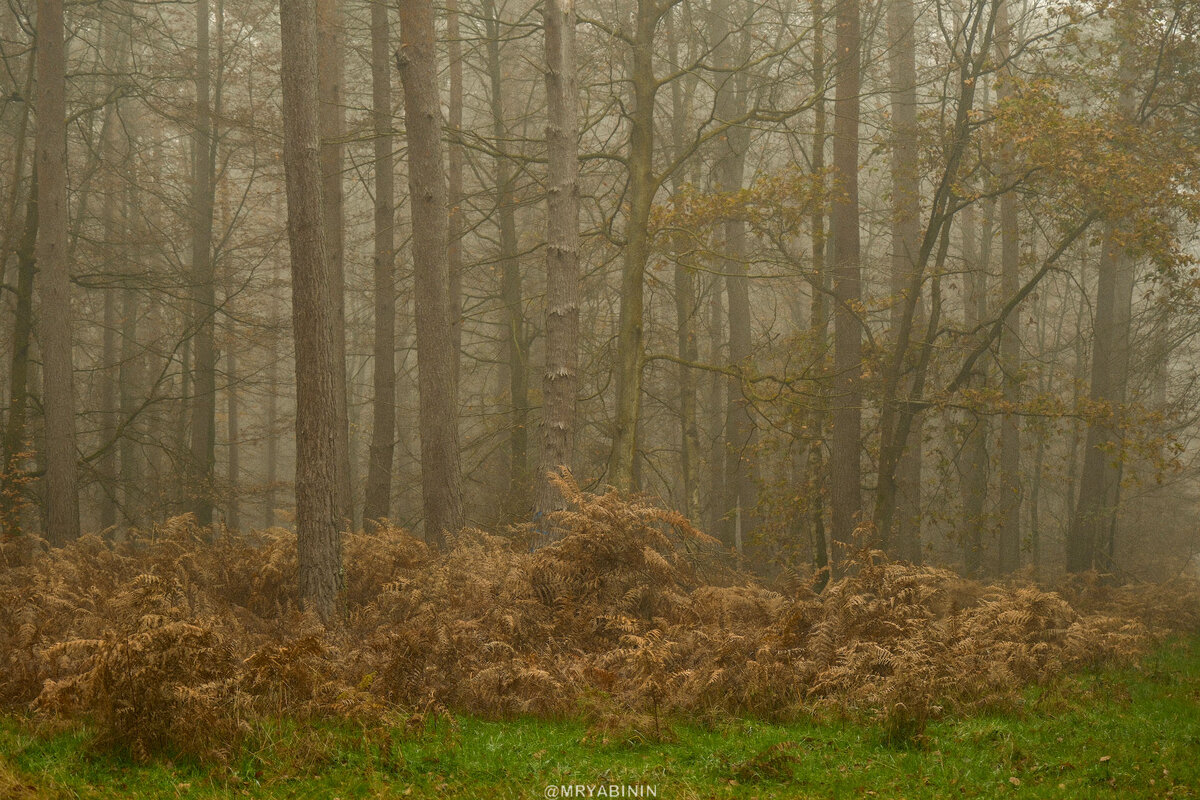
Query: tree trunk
column 516, row 356
column 378, row 503
column 204, row 372
column 454, row 186
column 641, row 189
column 846, row 454
column 730, row 103
column 441, row 480
column 55, row 325
column 1010, row 344
column 313, row 319
column 329, row 78
column 906, row 246
column 233, row 514
column 18, row 401
column 974, row 465
column 560, row 380
column 818, row 319
column 1100, row 482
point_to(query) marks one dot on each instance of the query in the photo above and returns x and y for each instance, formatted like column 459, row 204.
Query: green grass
column 1132, row 732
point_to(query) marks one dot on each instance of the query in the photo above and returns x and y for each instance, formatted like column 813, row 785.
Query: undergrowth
column 167, row 642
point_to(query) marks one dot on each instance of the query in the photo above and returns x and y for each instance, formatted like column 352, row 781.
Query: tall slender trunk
column 313, row 319
column 516, row 356
column 441, row 480
column 332, row 116
column 18, row 388
column 906, row 246
column 818, row 318
column 975, row 464
column 685, row 309
column 203, row 279
column 1010, row 341
column 55, row 323
column 271, row 456
column 730, row 103
column 378, row 503
column 233, row 511
column 715, row 412
column 560, row 380
column 641, row 190
column 846, row 453
column 454, row 185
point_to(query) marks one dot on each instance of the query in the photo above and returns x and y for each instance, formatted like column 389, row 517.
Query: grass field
column 1129, row 732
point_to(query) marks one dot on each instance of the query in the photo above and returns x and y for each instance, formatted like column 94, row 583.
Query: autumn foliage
column 631, row 619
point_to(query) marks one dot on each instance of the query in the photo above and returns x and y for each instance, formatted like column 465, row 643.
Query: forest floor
column 1130, row 731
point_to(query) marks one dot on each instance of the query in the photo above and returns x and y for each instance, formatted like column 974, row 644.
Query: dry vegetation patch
column 169, row 641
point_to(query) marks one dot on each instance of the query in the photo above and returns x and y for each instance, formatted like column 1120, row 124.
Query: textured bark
column 974, row 463
column 846, row 454
column 204, row 369
column 18, row 388
column 55, row 323
column 515, row 350
column 233, row 512
column 454, row 185
column 332, row 115
column 1091, row 534
column 132, row 491
column 740, row 484
column 818, row 319
column 630, row 333
column 1010, row 344
column 378, row 503
column 441, row 480
column 313, row 319
column 560, row 379
column 686, row 344
column 905, row 540
column 271, row 457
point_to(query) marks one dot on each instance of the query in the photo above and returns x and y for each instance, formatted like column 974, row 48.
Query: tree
column 329, row 78
column 559, row 380
column 313, row 318
column 846, row 453
column 383, row 429
column 441, row 480
column 54, row 324
column 204, row 302
column 906, row 246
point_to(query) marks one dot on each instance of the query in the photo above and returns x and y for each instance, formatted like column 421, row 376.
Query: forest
column 698, row 397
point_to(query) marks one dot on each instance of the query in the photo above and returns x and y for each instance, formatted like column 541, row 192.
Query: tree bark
column 560, row 380
column 313, row 319
column 18, row 388
column 1010, row 342
column 975, row 464
column 516, row 356
column 846, row 454
column 332, row 115
column 55, row 323
column 441, row 480
column 641, row 190
column 906, row 246
column 454, row 186
column 730, row 103
column 378, row 503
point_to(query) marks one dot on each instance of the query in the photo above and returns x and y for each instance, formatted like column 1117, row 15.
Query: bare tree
column 559, row 380
column 203, row 278
column 55, row 324
column 383, row 429
column 846, row 454
column 313, row 317
column 441, row 480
